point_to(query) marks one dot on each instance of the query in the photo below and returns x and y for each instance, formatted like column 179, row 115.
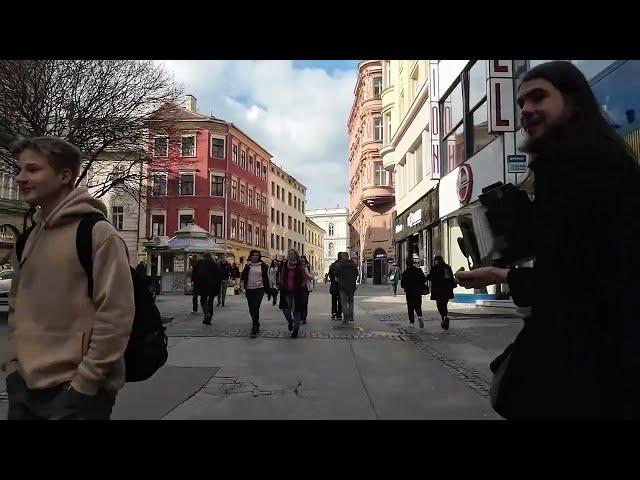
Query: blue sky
column 298, row 110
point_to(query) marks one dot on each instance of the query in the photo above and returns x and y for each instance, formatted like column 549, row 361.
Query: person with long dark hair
column 442, row 285
column 577, row 356
column 255, row 281
column 293, row 278
column 413, row 283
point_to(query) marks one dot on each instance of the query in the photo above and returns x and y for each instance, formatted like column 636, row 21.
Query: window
column 277, row 242
column 273, row 189
column 377, row 129
column 157, row 225
column 273, row 213
column 289, row 244
column 331, row 230
column 241, row 230
column 387, row 129
column 8, row 188
column 454, row 148
column 273, row 238
column 188, row 145
column 258, row 201
column 234, row 157
column 117, row 217
column 302, row 224
column 216, row 222
column 217, row 147
column 377, row 87
column 413, row 85
column 264, row 237
column 617, row 93
column 477, row 83
column 453, row 109
column 290, row 198
column 217, row 186
column 295, row 202
column 243, row 159
column 289, row 223
column 159, row 184
column 278, row 192
column 160, row 146
column 185, row 220
column 234, row 190
column 249, row 234
column 251, row 167
column 258, row 168
column 417, row 158
column 264, row 172
column 243, row 194
column 234, row 228
column 282, row 218
column 187, row 183
column 251, row 202
column 380, row 175
column 480, row 135
column 386, row 71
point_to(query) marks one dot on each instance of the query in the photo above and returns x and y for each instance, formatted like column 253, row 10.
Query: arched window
column 331, row 250
column 331, row 229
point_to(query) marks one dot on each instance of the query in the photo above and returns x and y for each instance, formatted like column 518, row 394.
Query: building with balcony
column 371, row 187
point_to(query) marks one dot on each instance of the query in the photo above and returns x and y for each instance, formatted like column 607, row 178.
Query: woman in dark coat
column 293, row 280
column 208, row 279
column 442, row 285
column 578, row 355
column 413, row 282
column 255, row 280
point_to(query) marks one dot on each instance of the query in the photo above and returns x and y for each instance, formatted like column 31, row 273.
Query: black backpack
column 147, row 348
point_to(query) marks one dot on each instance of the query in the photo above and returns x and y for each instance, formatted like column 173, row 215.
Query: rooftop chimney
column 190, row 103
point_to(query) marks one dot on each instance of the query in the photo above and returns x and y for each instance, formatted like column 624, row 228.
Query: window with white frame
column 258, row 201
column 117, row 217
column 377, row 87
column 187, row 183
column 8, row 187
column 234, row 156
column 216, row 222
column 243, row 159
column 188, row 145
column 241, row 231
column 217, row 147
column 157, row 224
column 387, row 128
column 249, row 234
column 377, row 128
column 251, row 203
column 185, row 219
column 386, row 73
column 160, row 146
column 264, row 204
column 243, row 194
column 234, row 190
column 217, row 185
column 273, row 189
column 251, row 165
column 159, row 187
column 264, row 172
column 234, row 228
column 331, row 229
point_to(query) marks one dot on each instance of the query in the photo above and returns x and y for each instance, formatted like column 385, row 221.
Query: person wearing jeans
column 293, row 278
column 346, row 275
column 255, row 281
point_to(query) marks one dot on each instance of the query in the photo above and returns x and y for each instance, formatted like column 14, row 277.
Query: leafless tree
column 101, row 106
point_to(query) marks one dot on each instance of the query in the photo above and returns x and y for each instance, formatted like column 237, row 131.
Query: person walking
column 274, row 281
column 308, row 287
column 442, row 284
column 293, row 278
column 346, row 275
column 225, row 273
column 414, row 285
column 255, row 281
column 336, row 305
column 208, row 280
column 395, row 277
column 577, row 355
column 194, row 285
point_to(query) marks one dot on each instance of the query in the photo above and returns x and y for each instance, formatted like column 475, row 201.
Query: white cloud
column 299, row 115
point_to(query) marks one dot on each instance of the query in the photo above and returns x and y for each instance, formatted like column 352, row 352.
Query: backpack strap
column 22, row 241
column 84, row 246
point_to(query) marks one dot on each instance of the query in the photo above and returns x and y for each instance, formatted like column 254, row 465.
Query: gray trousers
column 223, row 291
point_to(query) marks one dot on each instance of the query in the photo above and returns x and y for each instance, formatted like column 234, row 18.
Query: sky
column 297, row 110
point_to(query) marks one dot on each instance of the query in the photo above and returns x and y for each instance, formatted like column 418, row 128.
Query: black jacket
column 265, row 275
column 333, row 286
column 347, row 274
column 441, row 287
column 413, row 280
column 578, row 355
column 207, row 277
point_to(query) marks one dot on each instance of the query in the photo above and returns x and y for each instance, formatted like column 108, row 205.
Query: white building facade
column 334, row 221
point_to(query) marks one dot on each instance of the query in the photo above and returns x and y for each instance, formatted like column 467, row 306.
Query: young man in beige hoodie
column 66, row 351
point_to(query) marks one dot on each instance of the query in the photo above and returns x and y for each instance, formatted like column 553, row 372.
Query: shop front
column 417, row 232
column 171, row 260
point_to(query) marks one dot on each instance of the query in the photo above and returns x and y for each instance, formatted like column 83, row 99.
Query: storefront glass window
column 477, row 83
column 619, row 95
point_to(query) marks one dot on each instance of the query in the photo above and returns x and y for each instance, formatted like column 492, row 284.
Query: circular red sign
column 465, row 183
